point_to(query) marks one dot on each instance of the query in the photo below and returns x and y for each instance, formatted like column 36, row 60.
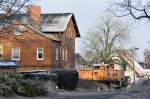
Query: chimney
column 34, row 13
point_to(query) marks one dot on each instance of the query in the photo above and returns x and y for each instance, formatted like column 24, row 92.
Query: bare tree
column 138, row 9
column 105, row 38
column 9, row 9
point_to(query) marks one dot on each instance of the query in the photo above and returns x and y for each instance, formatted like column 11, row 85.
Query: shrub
column 6, row 91
column 29, row 88
column 67, row 79
column 17, row 84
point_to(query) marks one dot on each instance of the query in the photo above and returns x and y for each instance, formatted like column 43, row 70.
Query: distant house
column 82, row 63
column 142, row 64
column 41, row 41
column 79, row 61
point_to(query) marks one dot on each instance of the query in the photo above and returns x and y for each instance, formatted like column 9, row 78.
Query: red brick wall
column 28, row 42
column 68, row 42
column 56, row 63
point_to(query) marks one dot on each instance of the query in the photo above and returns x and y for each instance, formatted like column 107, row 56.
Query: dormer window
column 19, row 30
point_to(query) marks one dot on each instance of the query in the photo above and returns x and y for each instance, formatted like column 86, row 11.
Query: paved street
column 92, row 95
column 137, row 92
column 74, row 95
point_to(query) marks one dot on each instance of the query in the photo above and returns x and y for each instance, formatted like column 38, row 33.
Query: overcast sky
column 87, row 12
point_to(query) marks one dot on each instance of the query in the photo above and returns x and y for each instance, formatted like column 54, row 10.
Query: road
column 87, row 95
column 73, row 95
column 120, row 94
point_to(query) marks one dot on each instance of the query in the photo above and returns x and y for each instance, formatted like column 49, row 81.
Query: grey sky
column 87, row 12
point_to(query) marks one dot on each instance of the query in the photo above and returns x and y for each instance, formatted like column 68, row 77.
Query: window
column 66, row 55
column 69, row 35
column 1, row 51
column 17, row 32
column 63, row 54
column 15, row 54
column 57, row 53
column 69, row 30
column 40, row 52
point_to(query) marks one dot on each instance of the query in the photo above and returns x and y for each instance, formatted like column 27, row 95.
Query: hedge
column 29, row 88
column 6, row 91
column 33, row 84
column 16, row 84
column 67, row 79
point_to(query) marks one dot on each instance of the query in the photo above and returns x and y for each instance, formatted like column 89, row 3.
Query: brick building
column 41, row 41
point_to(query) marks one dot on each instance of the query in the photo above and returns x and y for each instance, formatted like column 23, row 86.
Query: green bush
column 67, row 79
column 29, row 88
column 6, row 91
column 17, row 84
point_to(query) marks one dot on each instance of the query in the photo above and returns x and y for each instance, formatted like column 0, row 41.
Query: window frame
column 57, row 53
column 17, row 32
column 19, row 29
column 1, row 51
column 12, row 53
column 66, row 55
column 63, row 54
column 37, row 54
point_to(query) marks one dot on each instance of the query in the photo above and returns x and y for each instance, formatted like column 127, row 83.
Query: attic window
column 19, row 30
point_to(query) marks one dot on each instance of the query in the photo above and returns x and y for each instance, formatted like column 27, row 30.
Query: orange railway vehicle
column 104, row 73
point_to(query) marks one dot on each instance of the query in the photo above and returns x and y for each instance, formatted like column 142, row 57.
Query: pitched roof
column 51, row 22
column 43, row 34
column 38, row 31
column 57, row 22
column 79, row 60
